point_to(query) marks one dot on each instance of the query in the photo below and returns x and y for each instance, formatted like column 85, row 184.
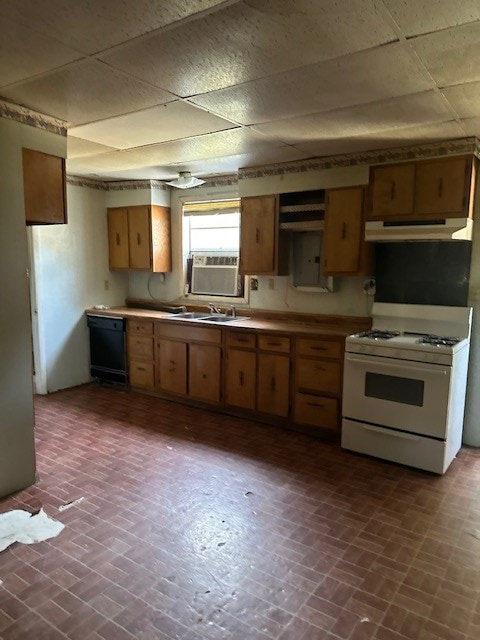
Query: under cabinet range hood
column 448, row 229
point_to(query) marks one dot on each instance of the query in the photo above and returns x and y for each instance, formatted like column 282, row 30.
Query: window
column 211, row 248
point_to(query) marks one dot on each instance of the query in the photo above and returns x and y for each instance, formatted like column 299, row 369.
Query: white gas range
column 404, row 385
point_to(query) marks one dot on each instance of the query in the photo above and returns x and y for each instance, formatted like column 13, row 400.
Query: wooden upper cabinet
column 44, row 188
column 344, row 231
column 139, row 238
column 261, row 246
column 391, row 191
column 119, row 257
column 442, row 186
column 139, row 243
column 424, row 190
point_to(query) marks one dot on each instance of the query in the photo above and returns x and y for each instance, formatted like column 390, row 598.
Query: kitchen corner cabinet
column 139, row 238
column 424, row 190
column 345, row 250
column 264, row 249
column 44, row 188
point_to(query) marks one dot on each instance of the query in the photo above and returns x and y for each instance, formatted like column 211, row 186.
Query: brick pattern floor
column 198, row 526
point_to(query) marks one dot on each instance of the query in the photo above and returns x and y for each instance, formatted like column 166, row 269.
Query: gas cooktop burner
column 378, row 334
column 438, row 341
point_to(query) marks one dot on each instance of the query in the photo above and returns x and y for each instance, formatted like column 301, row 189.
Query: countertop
column 316, row 325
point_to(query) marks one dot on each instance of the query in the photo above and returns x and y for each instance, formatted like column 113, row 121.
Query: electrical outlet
column 369, row 286
column 271, row 284
column 106, row 285
column 253, row 284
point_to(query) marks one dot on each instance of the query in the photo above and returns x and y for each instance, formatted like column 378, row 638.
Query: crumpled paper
column 22, row 526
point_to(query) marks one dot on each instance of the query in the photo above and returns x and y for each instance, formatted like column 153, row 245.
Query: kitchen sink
column 189, row 315
column 218, row 318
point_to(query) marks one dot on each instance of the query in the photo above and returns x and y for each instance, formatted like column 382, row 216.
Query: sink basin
column 217, row 318
column 189, row 315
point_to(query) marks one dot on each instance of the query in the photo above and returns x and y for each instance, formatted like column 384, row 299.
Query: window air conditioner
column 215, row 274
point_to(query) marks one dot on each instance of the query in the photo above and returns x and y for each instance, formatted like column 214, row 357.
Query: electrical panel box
column 308, row 261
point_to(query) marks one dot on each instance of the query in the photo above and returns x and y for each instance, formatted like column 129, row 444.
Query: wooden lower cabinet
column 240, row 378
column 171, row 366
column 273, row 384
column 141, row 369
column 204, row 371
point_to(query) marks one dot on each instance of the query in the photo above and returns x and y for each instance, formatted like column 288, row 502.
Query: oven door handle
column 394, row 434
column 440, row 372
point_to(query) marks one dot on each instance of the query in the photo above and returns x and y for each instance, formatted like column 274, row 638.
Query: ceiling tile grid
column 152, row 87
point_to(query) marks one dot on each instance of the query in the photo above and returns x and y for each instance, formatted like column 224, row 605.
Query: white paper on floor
column 22, row 526
column 69, row 505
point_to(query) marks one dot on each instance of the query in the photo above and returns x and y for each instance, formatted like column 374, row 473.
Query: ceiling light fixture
column 185, row 180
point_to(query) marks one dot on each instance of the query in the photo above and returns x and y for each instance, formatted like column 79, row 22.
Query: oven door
column 411, row 396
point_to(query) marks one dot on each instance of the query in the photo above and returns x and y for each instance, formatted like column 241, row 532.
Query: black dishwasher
column 107, row 348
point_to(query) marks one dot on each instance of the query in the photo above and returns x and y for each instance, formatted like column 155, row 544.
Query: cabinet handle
column 241, row 378
column 140, row 368
column 344, row 231
column 139, row 239
column 273, row 384
column 274, row 344
column 172, row 370
column 314, row 348
column 257, row 235
column 172, row 362
column 241, row 340
column 393, row 190
column 317, row 368
column 316, row 404
column 117, row 236
column 440, row 187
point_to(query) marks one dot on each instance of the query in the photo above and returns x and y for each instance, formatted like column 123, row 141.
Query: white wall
column 71, row 270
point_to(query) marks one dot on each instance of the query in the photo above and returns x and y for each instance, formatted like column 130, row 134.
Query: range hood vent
column 448, row 229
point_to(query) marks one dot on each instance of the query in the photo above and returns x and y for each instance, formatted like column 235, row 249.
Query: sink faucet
column 234, row 310
column 213, row 308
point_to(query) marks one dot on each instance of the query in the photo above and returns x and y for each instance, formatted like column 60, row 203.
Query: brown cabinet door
column 171, row 366
column 259, row 234
column 441, row 187
column 204, row 368
column 240, row 378
column 344, row 231
column 161, row 239
column 139, row 241
column 118, row 238
column 273, row 384
column 391, row 191
column 44, row 188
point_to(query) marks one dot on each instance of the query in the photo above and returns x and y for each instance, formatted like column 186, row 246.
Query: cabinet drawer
column 141, row 374
column 188, row 332
column 319, row 348
column 319, row 375
column 315, row 410
column 140, row 348
column 140, row 327
column 240, row 339
column 279, row 344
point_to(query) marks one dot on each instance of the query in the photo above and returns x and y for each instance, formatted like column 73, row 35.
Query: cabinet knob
column 240, row 378
column 273, row 384
column 393, row 190
column 257, row 235
column 117, row 237
column 344, row 231
column 139, row 239
column 440, row 187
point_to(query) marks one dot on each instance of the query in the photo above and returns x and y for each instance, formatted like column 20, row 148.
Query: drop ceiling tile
column 85, row 91
column 251, row 40
column 424, row 16
column 95, row 25
column 95, row 165
column 366, row 76
column 471, row 126
column 25, row 53
column 464, row 98
column 451, row 56
column 76, row 147
column 170, row 121
column 383, row 139
column 421, row 108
